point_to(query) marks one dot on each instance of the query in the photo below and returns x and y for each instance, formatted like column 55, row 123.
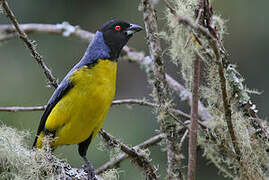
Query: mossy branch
column 151, row 27
column 226, row 104
column 138, row 158
column 115, row 161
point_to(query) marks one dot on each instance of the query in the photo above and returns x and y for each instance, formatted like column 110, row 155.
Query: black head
column 116, row 34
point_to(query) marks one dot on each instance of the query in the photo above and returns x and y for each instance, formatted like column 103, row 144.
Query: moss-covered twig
column 151, row 27
column 138, row 158
column 29, row 44
column 115, row 161
column 225, row 98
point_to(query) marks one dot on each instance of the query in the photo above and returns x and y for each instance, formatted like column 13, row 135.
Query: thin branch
column 199, row 14
column 225, row 98
column 183, row 139
column 22, row 108
column 175, row 112
column 140, row 160
column 177, row 120
column 114, row 103
column 194, row 121
column 128, row 53
column 194, row 107
column 60, row 29
column 29, row 44
column 115, row 161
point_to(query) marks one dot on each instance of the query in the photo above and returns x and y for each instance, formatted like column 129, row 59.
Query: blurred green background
column 23, row 83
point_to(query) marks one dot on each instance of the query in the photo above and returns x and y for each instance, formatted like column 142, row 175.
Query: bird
column 78, row 107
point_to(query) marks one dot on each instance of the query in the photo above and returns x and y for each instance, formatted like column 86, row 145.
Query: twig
column 128, row 53
column 22, row 108
column 194, row 107
column 183, row 139
column 151, row 27
column 140, row 160
column 227, row 109
column 29, row 44
column 225, row 98
column 176, row 119
column 114, row 103
column 46, row 28
column 150, row 142
column 199, row 14
column 194, row 121
column 175, row 112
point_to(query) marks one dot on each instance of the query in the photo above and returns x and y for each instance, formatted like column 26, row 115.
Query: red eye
column 118, row 28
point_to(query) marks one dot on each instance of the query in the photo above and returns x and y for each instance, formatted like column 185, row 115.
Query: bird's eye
column 118, row 28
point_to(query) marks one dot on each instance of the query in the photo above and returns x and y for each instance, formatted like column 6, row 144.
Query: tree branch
column 194, row 121
column 225, row 98
column 114, row 103
column 140, row 159
column 22, row 108
column 29, row 44
column 151, row 27
column 150, row 142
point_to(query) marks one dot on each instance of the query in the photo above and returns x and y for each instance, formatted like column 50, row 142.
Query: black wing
column 61, row 90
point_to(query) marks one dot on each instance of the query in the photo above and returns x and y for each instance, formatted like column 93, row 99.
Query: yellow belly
column 81, row 112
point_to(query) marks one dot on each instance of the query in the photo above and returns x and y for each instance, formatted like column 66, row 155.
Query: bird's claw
column 90, row 171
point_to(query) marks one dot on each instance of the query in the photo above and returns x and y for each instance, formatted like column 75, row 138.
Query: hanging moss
column 17, row 161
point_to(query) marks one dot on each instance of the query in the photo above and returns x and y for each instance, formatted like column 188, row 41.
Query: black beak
column 133, row 29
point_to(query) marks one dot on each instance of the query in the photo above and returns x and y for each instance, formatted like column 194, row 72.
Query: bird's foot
column 89, row 169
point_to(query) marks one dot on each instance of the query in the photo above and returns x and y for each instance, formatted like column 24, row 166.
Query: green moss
column 111, row 174
column 17, row 161
column 219, row 22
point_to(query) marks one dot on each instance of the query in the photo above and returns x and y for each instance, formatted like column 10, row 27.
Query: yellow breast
column 83, row 109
